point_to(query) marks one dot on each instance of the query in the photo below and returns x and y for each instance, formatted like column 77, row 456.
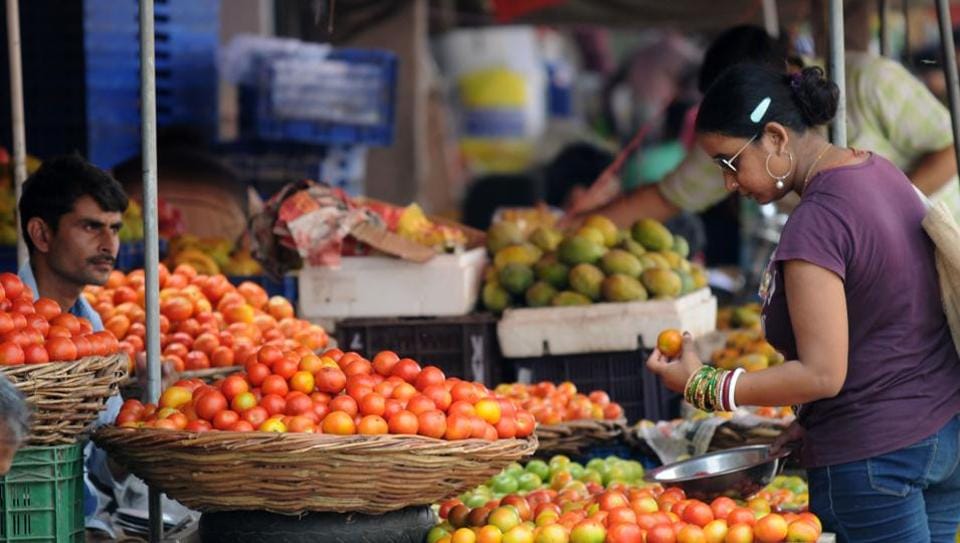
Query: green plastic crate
column 42, row 496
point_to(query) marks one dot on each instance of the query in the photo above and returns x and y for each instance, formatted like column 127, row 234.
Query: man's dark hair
column 53, row 190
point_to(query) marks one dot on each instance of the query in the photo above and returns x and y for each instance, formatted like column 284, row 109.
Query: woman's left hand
column 676, row 372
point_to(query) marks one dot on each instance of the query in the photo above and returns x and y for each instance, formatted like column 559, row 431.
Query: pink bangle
column 724, row 397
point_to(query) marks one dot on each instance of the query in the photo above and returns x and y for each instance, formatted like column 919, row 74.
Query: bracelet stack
column 711, row 389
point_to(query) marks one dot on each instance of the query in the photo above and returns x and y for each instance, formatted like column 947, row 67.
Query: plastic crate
column 623, row 375
column 42, row 495
column 288, row 287
column 131, row 255
column 464, row 347
column 267, row 110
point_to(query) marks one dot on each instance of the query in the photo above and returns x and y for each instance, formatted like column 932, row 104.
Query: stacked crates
column 41, row 498
column 81, row 73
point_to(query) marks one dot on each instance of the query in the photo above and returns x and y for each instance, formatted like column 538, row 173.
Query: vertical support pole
column 148, row 114
column 16, row 116
column 950, row 67
column 883, row 13
column 905, row 54
column 771, row 18
column 837, row 71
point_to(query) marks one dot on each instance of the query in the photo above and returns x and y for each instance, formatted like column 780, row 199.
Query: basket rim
column 63, row 363
column 184, row 438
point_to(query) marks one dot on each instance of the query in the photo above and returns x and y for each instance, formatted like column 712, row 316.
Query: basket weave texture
column 296, row 473
column 575, row 436
column 66, row 397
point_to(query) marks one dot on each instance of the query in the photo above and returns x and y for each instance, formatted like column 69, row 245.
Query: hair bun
column 815, row 95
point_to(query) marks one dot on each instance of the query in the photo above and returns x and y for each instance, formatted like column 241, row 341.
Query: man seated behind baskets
column 70, row 216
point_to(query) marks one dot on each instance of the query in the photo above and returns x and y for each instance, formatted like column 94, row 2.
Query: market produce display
column 595, row 263
column 746, row 349
column 552, row 403
column 212, row 256
column 36, row 332
column 205, row 321
column 335, row 393
column 743, row 317
column 605, row 501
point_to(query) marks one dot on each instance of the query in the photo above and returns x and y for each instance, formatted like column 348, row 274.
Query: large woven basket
column 295, row 473
column 575, row 436
column 66, row 397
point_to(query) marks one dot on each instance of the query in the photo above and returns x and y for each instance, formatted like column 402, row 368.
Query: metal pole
column 771, row 19
column 950, row 67
column 148, row 113
column 837, row 71
column 886, row 48
column 16, row 116
column 907, row 61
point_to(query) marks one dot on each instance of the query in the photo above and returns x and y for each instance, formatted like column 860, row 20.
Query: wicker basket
column 295, row 473
column 575, row 436
column 728, row 436
column 67, row 396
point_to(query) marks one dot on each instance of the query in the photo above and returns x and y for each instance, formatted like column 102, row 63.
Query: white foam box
column 606, row 327
column 383, row 286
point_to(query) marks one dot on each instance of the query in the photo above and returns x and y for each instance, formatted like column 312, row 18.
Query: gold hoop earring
column 780, row 178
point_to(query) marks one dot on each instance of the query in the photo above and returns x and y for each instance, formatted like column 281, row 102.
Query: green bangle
column 704, row 387
column 689, row 392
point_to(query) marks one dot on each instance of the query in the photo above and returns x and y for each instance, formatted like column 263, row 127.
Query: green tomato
column 597, row 464
column 575, row 469
column 529, row 482
column 513, row 469
column 436, row 534
column 476, row 500
column 539, row 468
column 591, row 476
column 505, row 484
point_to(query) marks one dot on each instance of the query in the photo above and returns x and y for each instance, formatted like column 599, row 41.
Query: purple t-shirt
column 863, row 222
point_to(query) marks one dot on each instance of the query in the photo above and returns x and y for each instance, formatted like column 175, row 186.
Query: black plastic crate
column 464, row 347
column 623, row 375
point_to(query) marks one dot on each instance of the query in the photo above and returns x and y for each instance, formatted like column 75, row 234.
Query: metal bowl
column 737, row 473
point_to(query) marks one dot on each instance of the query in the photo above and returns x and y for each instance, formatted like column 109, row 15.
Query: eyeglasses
column 727, row 163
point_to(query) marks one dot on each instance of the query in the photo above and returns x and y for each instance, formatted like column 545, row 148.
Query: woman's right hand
column 790, row 438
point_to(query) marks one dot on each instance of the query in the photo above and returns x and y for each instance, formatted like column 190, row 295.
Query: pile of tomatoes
column 551, row 403
column 588, row 513
column 205, row 321
column 36, row 332
column 334, row 393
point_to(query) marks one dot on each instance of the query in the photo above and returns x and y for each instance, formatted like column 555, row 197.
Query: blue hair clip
column 760, row 110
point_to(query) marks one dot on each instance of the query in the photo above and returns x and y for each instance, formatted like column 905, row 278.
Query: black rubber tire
column 408, row 525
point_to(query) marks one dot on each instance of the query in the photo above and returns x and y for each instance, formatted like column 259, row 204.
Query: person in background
column 888, row 111
column 70, row 215
column 14, row 423
column 852, row 299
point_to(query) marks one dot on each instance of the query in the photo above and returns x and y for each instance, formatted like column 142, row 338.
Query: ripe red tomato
column 61, row 349
column 384, row 362
column 12, row 285
column 35, row 354
column 275, row 384
column 420, row 404
column 298, row 403
column 430, row 376
column 330, row 380
column 275, row 405
column 406, row 369
column 255, row 416
column 346, row 404
column 373, row 404
column 196, row 360
column 209, row 404
column 224, row 420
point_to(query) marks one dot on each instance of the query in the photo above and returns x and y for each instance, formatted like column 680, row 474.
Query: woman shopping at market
column 851, row 298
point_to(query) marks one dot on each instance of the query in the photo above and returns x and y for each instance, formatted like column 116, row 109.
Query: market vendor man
column 70, row 216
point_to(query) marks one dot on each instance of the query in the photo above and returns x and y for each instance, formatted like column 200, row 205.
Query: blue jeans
column 910, row 495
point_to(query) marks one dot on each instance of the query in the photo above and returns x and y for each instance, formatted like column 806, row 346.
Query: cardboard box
column 384, row 286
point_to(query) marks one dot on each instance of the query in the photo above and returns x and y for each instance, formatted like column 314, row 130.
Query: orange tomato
column 670, row 343
column 175, row 397
column 339, row 423
column 403, row 422
column 373, row 425
column 771, row 528
column 432, row 424
column 302, row 381
column 346, row 404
